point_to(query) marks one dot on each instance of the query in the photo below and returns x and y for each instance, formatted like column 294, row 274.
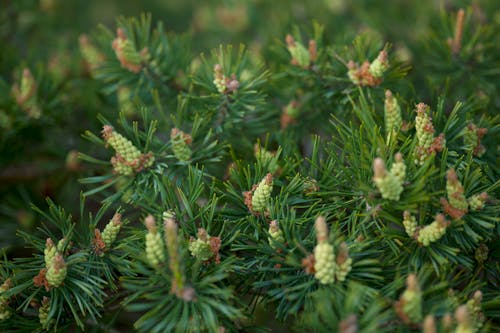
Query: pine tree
column 340, row 182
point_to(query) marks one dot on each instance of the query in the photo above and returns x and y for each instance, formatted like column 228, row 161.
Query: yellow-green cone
column 409, row 223
column 429, row 325
column 275, row 234
column 324, row 256
column 425, row 133
column 220, row 79
column 126, row 52
column 455, row 191
column 463, row 319
column 411, row 300
column 128, row 158
column 434, row 231
column 111, row 230
column 43, row 313
column 200, row 247
column 155, row 248
column 379, row 65
column 472, row 139
column 343, row 262
column 300, row 55
column 392, row 115
column 90, row 54
column 26, row 94
column 324, row 264
column 476, row 202
column 180, row 142
column 56, row 272
column 262, row 193
column 389, row 185
column 266, row 158
column 474, row 309
column 49, row 252
column 398, row 168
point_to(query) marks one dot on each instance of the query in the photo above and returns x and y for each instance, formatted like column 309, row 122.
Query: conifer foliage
column 343, row 184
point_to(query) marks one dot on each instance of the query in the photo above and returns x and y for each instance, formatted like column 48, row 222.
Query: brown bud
column 150, row 223
column 321, row 229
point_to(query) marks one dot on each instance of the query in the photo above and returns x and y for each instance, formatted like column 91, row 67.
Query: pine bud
column 389, row 184
column 49, row 252
column 124, row 96
column 398, row 168
column 266, row 158
column 26, row 94
column 379, row 65
column 310, row 185
column 456, row 43
column 455, row 191
column 349, row 325
column 98, row 244
column 343, row 263
column 180, row 142
column 425, row 133
column 93, row 58
column 262, row 193
column 43, row 313
column 429, row 325
column 476, row 202
column 275, row 234
column 434, row 231
column 154, row 243
column 321, row 229
column 447, row 322
column 368, row 74
column 392, row 115
column 474, row 309
column 62, row 244
column 224, row 84
column 111, row 230
column 481, row 253
column 5, row 311
column 462, row 317
column 324, row 265
column 472, row 139
column 120, row 144
column 72, row 162
column 409, row 306
column 128, row 158
column 232, row 84
column 200, row 247
column 353, row 72
column 56, row 272
column 289, row 114
column 409, row 223
column 300, row 55
column 126, row 52
column 219, row 79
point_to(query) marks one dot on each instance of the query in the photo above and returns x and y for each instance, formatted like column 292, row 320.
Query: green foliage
column 222, row 174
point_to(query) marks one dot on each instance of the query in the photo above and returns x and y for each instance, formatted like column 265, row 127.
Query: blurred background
column 38, row 156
